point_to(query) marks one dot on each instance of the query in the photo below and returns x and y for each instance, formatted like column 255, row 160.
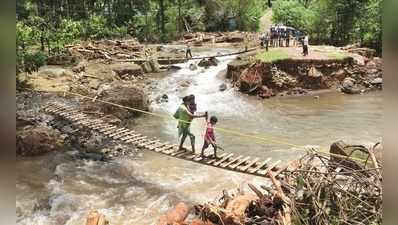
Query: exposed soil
column 324, row 68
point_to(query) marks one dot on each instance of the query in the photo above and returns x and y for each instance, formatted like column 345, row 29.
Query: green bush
column 293, row 13
column 33, row 61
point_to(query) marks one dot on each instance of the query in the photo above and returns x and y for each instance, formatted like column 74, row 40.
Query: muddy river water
column 60, row 188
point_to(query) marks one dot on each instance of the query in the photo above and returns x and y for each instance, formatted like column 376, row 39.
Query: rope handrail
column 194, row 58
column 225, row 130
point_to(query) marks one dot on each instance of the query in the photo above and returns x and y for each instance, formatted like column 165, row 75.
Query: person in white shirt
column 305, row 45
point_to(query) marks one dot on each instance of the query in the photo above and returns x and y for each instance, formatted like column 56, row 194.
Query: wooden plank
column 170, row 150
column 206, row 156
column 122, row 131
column 176, row 151
column 69, row 113
column 182, row 155
column 259, row 166
column 94, row 122
column 249, row 164
column 230, row 162
column 125, row 134
column 107, row 128
column 99, row 127
column 213, row 160
column 129, row 137
column 166, row 147
column 139, row 141
column 161, row 144
column 190, row 156
column 134, row 139
column 223, row 159
column 84, row 122
column 145, row 145
column 239, row 163
column 102, row 126
column 264, row 172
column 113, row 132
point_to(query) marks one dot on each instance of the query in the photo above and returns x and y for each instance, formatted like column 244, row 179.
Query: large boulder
column 124, row 94
column 366, row 52
column 129, row 69
column 222, row 87
column 265, row 92
column 235, row 68
column 348, row 86
column 193, row 67
column 251, row 78
column 212, row 61
column 54, row 72
column 38, row 140
column 151, row 66
column 62, row 59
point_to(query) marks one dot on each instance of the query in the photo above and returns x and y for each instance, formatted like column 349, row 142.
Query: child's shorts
column 206, row 145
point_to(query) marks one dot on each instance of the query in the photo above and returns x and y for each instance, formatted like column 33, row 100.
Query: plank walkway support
column 226, row 160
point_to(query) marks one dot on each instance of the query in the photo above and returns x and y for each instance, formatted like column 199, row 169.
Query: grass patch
column 337, row 55
column 272, row 55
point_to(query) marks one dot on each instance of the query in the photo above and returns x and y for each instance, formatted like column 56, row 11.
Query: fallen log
column 200, row 222
column 96, row 218
column 235, row 210
column 174, row 216
column 284, row 216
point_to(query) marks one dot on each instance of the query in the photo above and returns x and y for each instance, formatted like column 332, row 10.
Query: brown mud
column 298, row 75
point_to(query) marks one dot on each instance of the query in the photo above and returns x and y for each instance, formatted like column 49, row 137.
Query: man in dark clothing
column 188, row 52
column 266, row 41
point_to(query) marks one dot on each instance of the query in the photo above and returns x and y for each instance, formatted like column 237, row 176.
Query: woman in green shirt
column 185, row 116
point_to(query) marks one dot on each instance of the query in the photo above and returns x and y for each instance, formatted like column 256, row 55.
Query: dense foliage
column 337, row 22
column 49, row 25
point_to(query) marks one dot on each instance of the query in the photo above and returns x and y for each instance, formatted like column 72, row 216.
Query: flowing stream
column 60, row 188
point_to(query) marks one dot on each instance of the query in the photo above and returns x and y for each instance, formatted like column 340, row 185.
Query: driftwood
column 174, row 216
column 96, row 218
column 334, row 192
column 314, row 190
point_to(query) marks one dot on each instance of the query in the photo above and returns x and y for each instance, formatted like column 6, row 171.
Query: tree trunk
column 162, row 20
column 179, row 17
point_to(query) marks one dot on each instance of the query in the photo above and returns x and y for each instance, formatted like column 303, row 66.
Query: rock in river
column 38, row 140
column 126, row 94
column 193, row 66
column 222, row 87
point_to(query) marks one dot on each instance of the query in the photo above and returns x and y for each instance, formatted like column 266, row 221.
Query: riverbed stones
column 37, row 140
column 124, row 94
column 193, row 67
column 349, row 87
column 265, row 92
column 163, row 98
column 222, row 87
column 122, row 69
column 206, row 63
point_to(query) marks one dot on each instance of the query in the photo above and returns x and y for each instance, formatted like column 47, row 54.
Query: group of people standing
column 283, row 38
column 185, row 114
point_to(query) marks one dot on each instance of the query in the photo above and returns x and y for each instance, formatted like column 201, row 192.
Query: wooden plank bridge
column 227, row 161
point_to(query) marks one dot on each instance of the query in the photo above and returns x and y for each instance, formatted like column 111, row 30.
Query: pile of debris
column 316, row 189
column 203, row 38
column 110, row 49
column 339, row 190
